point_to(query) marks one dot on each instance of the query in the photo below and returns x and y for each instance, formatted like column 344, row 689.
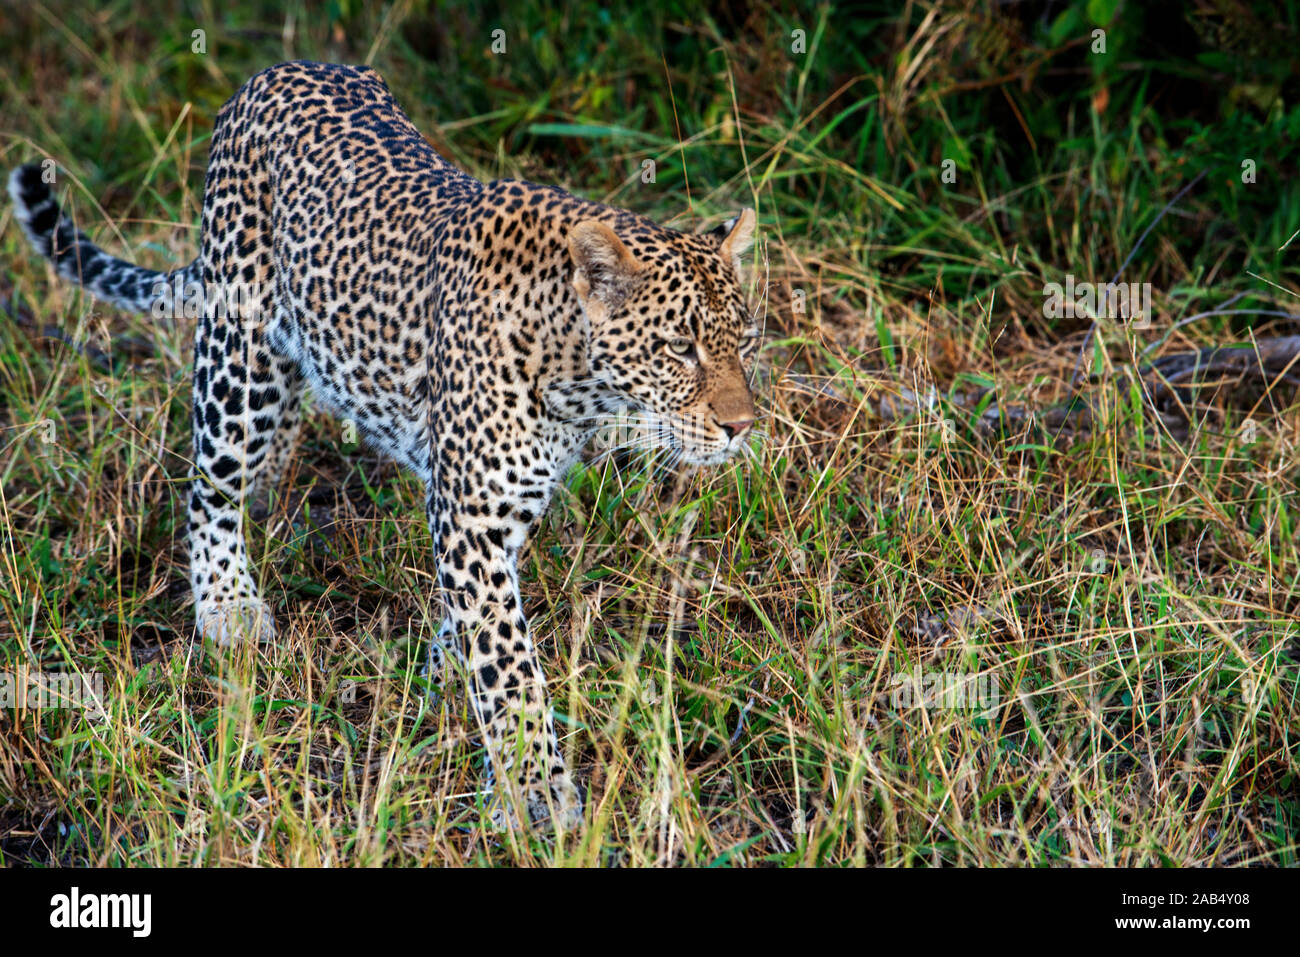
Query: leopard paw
column 231, row 622
column 558, row 807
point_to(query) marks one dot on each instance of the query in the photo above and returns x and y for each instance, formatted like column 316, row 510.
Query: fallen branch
column 1171, row 385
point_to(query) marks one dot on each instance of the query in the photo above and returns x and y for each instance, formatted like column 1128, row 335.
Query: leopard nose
column 739, row 427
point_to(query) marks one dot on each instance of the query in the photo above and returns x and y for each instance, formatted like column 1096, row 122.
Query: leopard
column 477, row 333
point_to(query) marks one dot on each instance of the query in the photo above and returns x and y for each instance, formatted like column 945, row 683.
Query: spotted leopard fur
column 476, row 332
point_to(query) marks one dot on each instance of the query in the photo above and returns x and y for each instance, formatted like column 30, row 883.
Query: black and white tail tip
column 34, row 207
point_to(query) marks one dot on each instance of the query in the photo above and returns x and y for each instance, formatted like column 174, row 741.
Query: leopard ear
column 737, row 236
column 605, row 269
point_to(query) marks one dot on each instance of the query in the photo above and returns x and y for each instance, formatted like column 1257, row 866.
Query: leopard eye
column 680, row 347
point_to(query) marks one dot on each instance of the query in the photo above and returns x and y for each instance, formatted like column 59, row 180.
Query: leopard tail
column 79, row 260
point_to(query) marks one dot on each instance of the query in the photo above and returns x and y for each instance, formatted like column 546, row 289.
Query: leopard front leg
column 477, row 573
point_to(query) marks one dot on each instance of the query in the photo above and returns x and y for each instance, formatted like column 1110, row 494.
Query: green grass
column 726, row 648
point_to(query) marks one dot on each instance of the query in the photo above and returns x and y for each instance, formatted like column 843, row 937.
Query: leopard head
column 669, row 331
